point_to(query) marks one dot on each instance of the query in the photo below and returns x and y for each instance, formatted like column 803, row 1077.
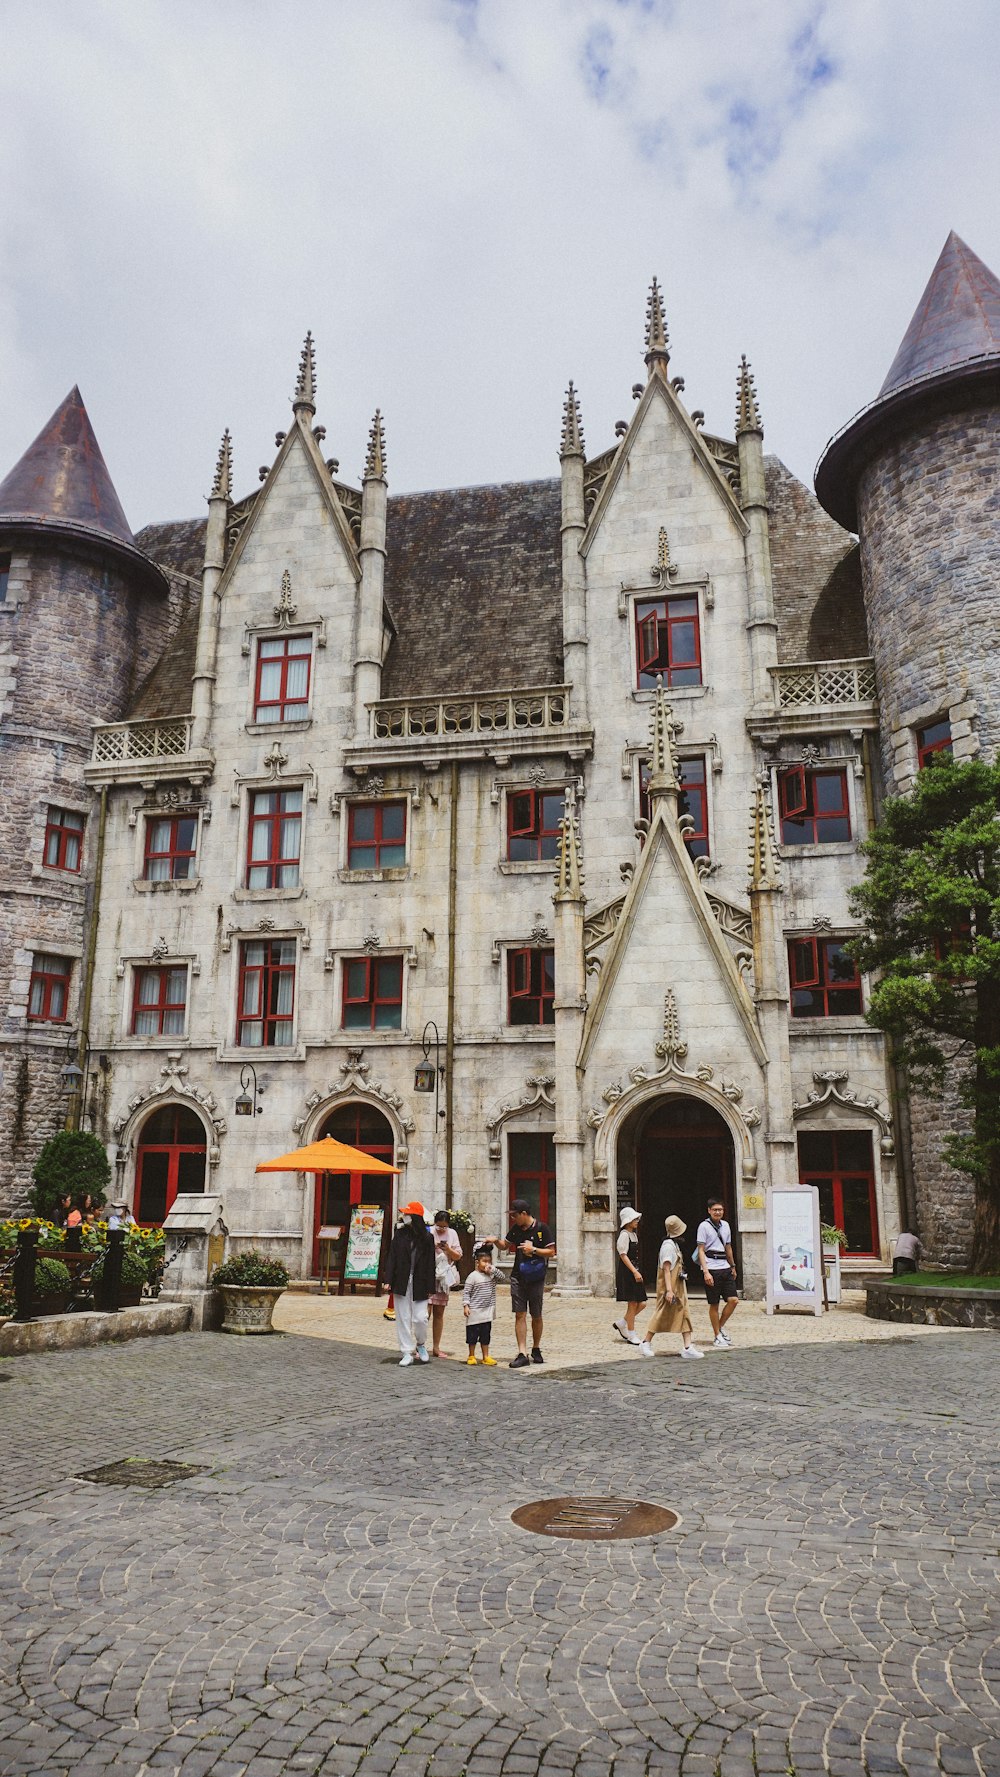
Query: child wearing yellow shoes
column 479, row 1303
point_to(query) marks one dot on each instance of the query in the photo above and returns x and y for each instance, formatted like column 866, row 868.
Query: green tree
column 73, row 1161
column 930, row 933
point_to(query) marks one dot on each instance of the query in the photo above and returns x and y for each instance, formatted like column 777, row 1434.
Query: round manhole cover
column 594, row 1520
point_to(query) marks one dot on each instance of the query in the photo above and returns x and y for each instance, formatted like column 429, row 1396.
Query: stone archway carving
column 539, row 1093
column 672, row 1079
column 173, row 1089
column 832, row 1088
column 356, row 1085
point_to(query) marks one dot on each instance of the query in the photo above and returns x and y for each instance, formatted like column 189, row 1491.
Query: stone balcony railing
column 505, row 712
column 823, row 684
column 130, row 751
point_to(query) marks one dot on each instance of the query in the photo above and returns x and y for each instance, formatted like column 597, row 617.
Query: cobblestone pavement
column 341, row 1591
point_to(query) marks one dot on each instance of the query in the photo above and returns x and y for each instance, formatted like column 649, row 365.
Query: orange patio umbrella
column 327, row 1155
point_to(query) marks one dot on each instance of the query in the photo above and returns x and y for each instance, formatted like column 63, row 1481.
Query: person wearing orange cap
column 411, row 1280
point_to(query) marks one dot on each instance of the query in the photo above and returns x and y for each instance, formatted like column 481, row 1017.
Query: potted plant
column 465, row 1228
column 250, row 1284
column 833, row 1239
column 52, row 1287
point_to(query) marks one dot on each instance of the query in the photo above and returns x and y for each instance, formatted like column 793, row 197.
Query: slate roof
column 63, row 478
column 473, row 584
column 957, row 317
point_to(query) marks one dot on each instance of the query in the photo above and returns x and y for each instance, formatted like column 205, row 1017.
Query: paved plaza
column 340, row 1590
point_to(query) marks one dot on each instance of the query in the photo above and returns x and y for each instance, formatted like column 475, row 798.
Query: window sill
column 641, row 695
column 65, row 878
column 528, row 866
column 362, row 1033
column 839, row 848
column 532, row 1033
column 296, row 1052
column 267, row 894
column 179, row 885
column 139, row 1044
column 398, row 873
column 298, row 726
column 849, row 1025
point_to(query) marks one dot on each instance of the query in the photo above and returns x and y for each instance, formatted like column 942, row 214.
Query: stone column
column 762, row 626
column 574, row 572
column 203, row 683
column 771, row 995
column 368, row 646
column 569, row 1007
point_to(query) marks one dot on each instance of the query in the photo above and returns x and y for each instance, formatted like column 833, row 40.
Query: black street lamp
column 245, row 1105
column 429, row 1074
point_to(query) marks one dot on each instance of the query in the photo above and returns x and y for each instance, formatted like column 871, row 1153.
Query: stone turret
column 84, row 613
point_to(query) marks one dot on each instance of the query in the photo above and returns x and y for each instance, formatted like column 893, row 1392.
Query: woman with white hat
column 629, row 1287
column 671, row 1313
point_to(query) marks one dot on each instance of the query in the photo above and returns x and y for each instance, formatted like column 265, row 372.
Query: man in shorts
column 532, row 1245
column 718, row 1267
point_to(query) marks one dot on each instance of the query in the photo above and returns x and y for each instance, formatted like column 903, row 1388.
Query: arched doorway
column 681, row 1155
column 172, row 1152
column 361, row 1126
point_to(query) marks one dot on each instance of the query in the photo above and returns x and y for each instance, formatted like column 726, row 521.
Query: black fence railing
column 105, row 1289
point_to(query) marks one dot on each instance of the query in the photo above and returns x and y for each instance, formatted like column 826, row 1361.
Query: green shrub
column 73, row 1161
column 252, row 1270
column 133, row 1269
column 51, row 1277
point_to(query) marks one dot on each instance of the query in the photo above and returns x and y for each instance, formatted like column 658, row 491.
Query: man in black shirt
column 532, row 1245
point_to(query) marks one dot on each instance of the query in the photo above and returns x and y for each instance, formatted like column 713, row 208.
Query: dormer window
column 284, row 666
column 668, row 641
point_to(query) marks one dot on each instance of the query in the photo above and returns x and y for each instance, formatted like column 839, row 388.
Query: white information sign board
column 794, row 1251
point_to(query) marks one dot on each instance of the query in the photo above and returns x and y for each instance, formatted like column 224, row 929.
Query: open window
column 814, row 807
column 824, row 979
column 531, row 985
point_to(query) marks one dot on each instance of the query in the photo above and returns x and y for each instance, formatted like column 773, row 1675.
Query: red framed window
column 171, row 1158
column 668, row 641
column 533, row 818
column 170, row 845
column 840, row 1162
column 814, row 806
column 532, row 1173
column 284, row 666
column 159, row 1002
column 48, row 993
column 935, row 738
column 693, row 801
column 376, row 835
column 266, row 994
column 531, row 986
column 373, row 993
column 63, row 839
column 274, row 838
column 824, row 979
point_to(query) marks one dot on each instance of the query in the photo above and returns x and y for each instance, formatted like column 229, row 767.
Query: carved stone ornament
column 831, row 1088
column 663, row 569
column 174, row 1084
column 285, row 611
column 725, row 1096
column 288, row 929
column 275, row 760
column 159, row 950
column 373, row 784
column 540, row 1088
column 372, row 941
column 356, row 1082
column 822, row 923
column 539, row 933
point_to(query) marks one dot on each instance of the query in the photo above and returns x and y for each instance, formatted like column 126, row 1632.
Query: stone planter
column 52, row 1302
column 923, row 1305
column 248, row 1308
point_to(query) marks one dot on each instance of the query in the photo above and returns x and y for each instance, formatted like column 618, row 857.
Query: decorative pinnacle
column 670, row 1048
column 765, row 873
column 222, row 486
column 747, row 411
column 664, row 779
column 657, row 343
column 571, row 444
column 375, row 464
column 304, row 399
column 569, row 865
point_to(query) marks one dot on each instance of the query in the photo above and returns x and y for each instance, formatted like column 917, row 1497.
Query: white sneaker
column 645, row 1349
column 407, row 1358
column 691, row 1351
column 425, row 1356
column 622, row 1330
column 721, row 1343
column 724, row 1336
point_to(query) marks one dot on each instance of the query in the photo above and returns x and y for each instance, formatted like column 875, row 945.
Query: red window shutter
column 521, row 814
column 793, row 792
column 649, row 642
column 803, row 962
column 520, row 974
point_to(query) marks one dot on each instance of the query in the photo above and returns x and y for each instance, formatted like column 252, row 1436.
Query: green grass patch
column 950, row 1280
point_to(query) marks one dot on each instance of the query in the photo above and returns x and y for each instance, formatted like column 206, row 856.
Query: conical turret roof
column 63, row 479
column 957, row 317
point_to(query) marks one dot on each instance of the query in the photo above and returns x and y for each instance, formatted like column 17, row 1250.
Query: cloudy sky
column 465, row 200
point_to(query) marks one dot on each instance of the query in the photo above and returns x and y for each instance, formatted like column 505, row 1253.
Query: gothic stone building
column 559, row 784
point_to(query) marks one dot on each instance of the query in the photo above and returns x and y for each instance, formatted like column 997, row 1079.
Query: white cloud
column 465, row 199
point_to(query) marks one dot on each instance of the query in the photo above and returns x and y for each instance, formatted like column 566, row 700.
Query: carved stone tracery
column 174, row 1085
column 540, row 1093
column 831, row 1088
column 356, row 1083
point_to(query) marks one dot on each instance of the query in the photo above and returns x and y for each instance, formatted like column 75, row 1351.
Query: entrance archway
column 171, row 1155
column 361, row 1126
column 677, row 1152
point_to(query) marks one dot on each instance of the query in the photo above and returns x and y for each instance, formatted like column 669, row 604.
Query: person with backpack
column 532, row 1245
column 411, row 1280
column 718, row 1268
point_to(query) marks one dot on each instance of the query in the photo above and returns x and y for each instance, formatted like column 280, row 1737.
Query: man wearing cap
column 411, row 1280
column 532, row 1245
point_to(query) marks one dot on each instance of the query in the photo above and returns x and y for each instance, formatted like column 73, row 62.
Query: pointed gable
column 957, row 317
column 63, row 479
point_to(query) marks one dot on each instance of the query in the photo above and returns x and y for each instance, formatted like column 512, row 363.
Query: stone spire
column 765, row 873
column 375, row 463
column 663, row 774
column 304, row 399
column 657, row 353
column 571, row 443
column 747, row 411
column 222, row 486
column 569, row 865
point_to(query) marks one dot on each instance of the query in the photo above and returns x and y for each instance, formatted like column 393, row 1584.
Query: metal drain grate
column 594, row 1520
column 142, row 1471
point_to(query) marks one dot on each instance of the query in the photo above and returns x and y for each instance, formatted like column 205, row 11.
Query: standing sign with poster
column 794, row 1250
column 364, row 1243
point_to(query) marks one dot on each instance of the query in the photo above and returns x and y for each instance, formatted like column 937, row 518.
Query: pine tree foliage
column 929, row 909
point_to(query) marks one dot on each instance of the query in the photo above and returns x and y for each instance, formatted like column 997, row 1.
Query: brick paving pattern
column 341, row 1591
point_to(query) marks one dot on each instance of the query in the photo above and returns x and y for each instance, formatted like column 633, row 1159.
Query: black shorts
column 477, row 1332
column 527, row 1298
column 721, row 1289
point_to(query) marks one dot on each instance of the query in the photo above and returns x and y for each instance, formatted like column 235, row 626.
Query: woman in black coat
column 411, row 1280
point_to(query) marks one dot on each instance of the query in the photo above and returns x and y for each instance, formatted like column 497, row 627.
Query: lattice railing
column 168, row 738
column 816, row 684
column 507, row 712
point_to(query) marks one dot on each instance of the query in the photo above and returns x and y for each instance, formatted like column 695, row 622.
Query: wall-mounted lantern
column 247, row 1106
